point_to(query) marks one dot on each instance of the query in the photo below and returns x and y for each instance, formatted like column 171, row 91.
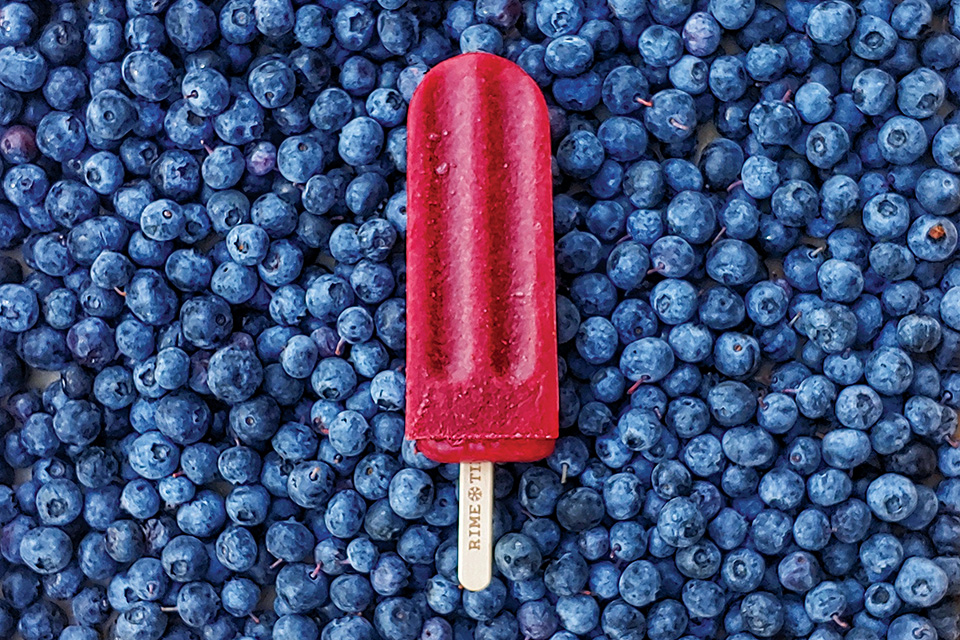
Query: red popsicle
column 481, row 303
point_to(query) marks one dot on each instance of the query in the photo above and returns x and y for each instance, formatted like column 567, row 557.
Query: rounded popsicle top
column 484, row 67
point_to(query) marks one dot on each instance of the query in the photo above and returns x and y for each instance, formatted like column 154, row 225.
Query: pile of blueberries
column 758, row 318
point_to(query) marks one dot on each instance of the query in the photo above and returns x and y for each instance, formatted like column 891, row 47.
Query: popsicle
column 481, row 306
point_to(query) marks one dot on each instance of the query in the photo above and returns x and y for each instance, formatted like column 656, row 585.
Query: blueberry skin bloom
column 886, row 216
column 827, row 143
column 680, row 523
column 736, row 354
column 22, row 68
column 19, row 308
column 892, row 497
column 873, row 38
column 921, row 582
column 154, row 456
column 674, row 300
column 938, row 192
column 874, row 91
column 671, row 117
column 920, row 93
column 46, row 550
column 234, row 374
column 580, row 154
column 360, row 141
column 932, row 238
column 162, row 220
column 732, row 262
column 647, row 360
column 946, row 147
column 902, row 140
column 831, row 22
column 299, row 158
column 889, row 370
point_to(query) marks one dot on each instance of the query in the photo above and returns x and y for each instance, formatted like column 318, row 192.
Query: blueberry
column 826, row 145
column 660, row 46
column 622, row 87
column 892, row 497
column 671, row 116
column 234, row 374
column 920, row 93
column 45, row 550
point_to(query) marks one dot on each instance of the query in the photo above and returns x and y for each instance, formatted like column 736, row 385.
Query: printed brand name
column 474, row 507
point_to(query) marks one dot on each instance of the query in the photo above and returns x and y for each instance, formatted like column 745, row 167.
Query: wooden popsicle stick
column 475, row 532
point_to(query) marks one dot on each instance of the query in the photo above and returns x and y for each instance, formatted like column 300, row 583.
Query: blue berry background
column 202, row 323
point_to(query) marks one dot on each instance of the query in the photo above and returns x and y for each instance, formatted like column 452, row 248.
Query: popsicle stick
column 475, row 533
